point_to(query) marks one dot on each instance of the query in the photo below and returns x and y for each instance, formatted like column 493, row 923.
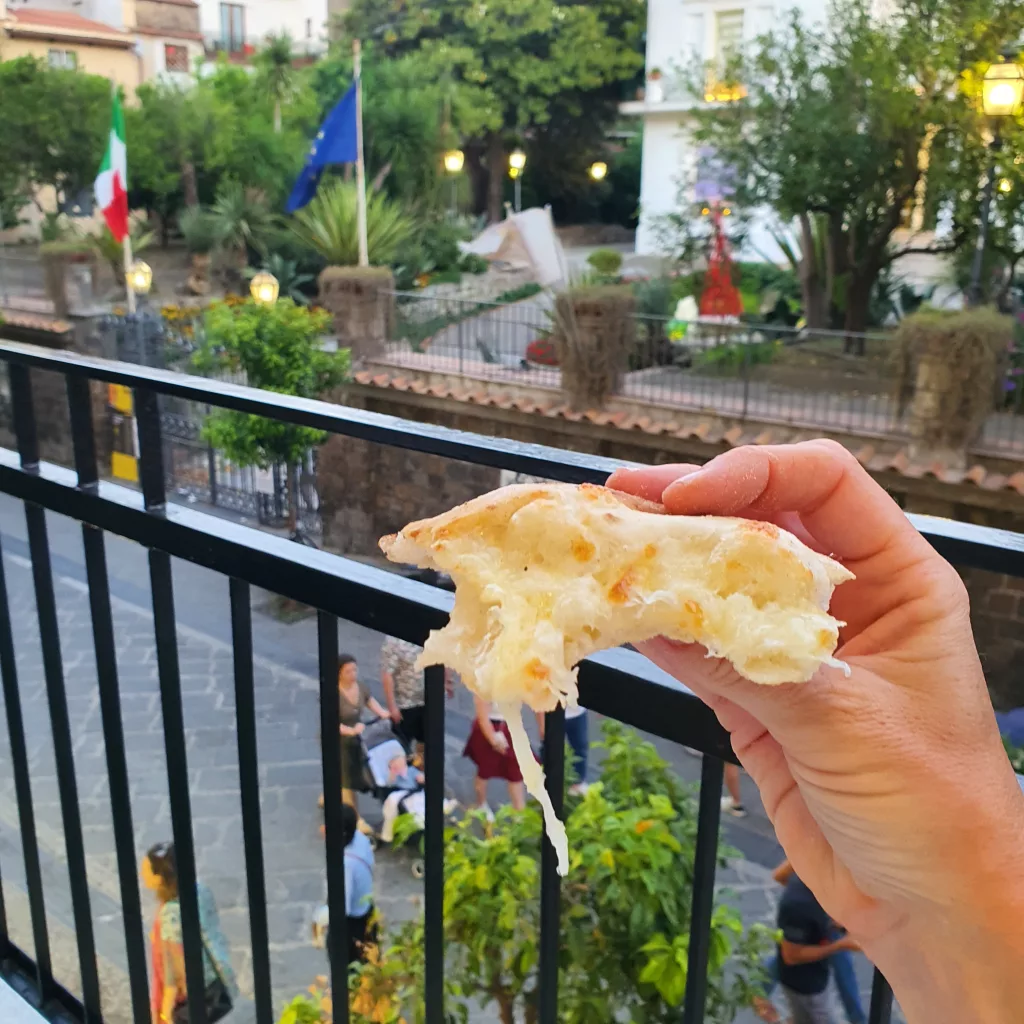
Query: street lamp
column 264, row 289
column 1005, row 185
column 598, row 170
column 139, row 277
column 454, row 159
column 1002, row 90
column 516, row 166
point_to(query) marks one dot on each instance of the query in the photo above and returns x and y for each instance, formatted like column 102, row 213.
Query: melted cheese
column 546, row 575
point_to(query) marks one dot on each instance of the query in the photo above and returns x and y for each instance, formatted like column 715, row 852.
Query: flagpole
column 357, row 68
column 127, row 246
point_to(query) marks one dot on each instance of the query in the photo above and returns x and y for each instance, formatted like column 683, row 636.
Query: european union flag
column 335, row 143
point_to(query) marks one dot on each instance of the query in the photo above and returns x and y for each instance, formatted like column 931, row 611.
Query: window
column 309, row 28
column 728, row 37
column 232, row 27
column 175, row 57
column 62, row 59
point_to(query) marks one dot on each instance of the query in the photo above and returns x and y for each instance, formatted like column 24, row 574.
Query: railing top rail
column 964, row 543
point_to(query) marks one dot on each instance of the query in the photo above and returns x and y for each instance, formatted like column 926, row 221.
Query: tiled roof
column 703, row 430
column 33, row 322
column 66, row 22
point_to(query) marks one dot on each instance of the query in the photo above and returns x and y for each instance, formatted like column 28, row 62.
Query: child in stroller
column 398, row 786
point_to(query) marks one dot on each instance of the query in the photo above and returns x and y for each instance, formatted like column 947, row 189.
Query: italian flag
column 112, row 181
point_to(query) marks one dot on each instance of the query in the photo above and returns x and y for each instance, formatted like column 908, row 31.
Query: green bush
column 471, row 263
column 606, row 262
column 732, row 357
column 198, row 229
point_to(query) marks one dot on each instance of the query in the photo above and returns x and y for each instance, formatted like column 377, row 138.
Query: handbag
column 217, row 998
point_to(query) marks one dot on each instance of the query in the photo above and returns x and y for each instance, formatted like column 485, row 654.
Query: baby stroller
column 381, row 745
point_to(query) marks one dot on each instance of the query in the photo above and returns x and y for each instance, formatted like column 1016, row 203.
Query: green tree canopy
column 509, row 62
column 855, row 121
column 54, row 125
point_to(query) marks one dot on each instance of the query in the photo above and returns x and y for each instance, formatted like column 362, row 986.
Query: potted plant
column 655, row 89
column 198, row 229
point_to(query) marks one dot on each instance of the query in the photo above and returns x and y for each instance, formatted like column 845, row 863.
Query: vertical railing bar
column 24, row 417
column 80, row 407
column 117, row 767
column 23, row 791
column 881, row 1000
column 165, row 631
column 56, row 695
column 550, row 883
column 83, row 439
column 330, row 719
column 248, row 776
column 433, row 843
column 151, row 453
column 704, row 861
column 169, row 674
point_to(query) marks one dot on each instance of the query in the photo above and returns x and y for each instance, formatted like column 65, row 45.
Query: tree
column 278, row 348
column 855, row 122
column 275, row 66
column 54, row 124
column 510, row 62
column 625, row 912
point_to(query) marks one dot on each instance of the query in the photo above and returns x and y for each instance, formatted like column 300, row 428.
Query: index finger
column 840, row 506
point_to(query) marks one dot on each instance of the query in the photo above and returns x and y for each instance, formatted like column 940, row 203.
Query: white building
column 682, row 35
column 241, row 27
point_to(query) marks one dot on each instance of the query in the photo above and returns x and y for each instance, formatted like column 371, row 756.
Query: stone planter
column 361, row 301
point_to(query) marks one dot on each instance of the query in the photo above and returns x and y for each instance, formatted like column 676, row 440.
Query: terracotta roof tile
column 66, row 21
column 706, row 430
column 35, row 322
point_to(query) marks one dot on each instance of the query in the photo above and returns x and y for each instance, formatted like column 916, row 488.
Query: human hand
column 879, row 784
column 359, row 729
column 499, row 742
column 395, row 714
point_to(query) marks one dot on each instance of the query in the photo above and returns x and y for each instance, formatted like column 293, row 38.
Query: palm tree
column 276, row 67
column 241, row 220
column 329, row 225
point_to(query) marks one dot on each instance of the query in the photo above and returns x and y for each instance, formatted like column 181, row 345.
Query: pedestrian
column 886, row 779
column 168, row 992
column 577, row 735
column 353, row 697
column 732, row 802
column 840, row 964
column 360, row 912
column 403, row 688
column 804, row 951
column 489, row 747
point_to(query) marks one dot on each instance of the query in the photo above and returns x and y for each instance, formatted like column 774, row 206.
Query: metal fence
column 771, row 373
column 195, row 470
column 619, row 684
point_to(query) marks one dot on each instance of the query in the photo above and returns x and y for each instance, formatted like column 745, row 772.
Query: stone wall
column 997, row 617
column 368, row 490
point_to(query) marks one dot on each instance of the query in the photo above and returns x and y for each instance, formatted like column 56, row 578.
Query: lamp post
column 453, row 163
column 1001, row 92
column 516, row 166
column 264, row 288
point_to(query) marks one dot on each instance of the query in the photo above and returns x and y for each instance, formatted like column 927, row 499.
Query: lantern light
column 598, row 170
column 454, row 160
column 1002, row 89
column 264, row 288
column 517, row 160
column 139, row 277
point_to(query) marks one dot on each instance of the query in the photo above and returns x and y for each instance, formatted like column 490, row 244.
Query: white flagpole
column 127, row 246
column 357, row 67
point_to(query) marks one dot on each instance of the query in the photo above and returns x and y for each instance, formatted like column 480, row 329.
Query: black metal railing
column 619, row 684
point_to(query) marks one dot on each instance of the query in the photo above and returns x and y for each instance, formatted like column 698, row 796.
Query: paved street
column 287, row 722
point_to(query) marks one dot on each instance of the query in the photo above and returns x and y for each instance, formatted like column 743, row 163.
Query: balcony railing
column 619, row 684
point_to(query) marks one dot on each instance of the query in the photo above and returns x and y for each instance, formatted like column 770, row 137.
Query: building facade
column 682, row 36
column 238, row 28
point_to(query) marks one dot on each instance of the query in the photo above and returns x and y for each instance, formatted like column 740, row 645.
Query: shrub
column 607, row 262
column 329, row 226
column 199, row 230
column 471, row 263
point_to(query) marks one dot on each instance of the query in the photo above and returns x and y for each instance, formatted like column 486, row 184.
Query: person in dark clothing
column 803, row 954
